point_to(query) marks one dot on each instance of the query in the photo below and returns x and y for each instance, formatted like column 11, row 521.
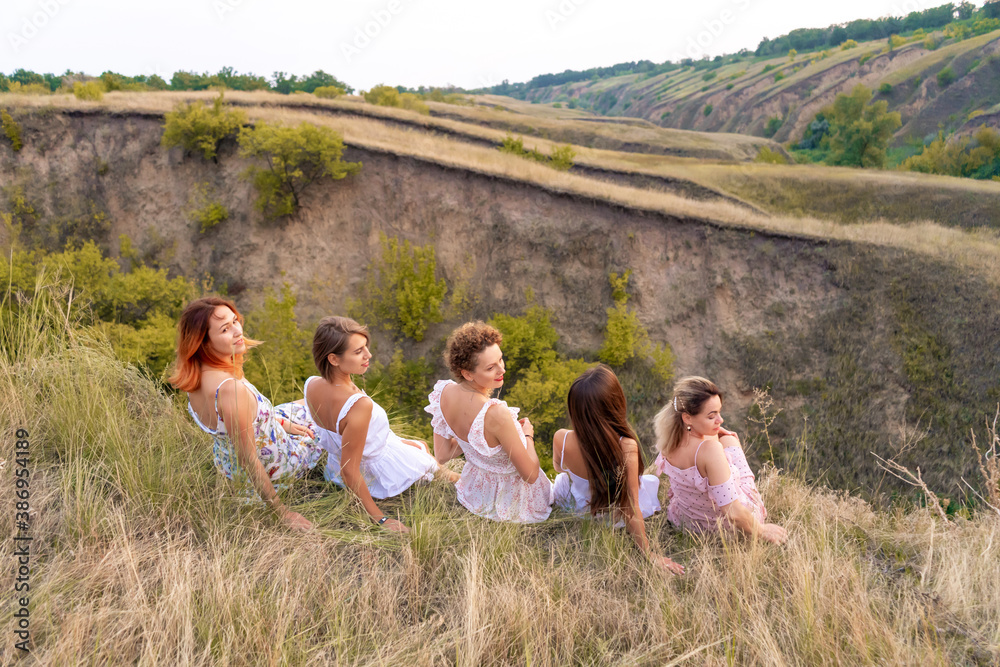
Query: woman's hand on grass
column 295, row 521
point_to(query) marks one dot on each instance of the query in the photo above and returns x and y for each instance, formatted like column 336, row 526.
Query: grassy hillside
column 820, row 311
column 141, row 555
column 742, row 96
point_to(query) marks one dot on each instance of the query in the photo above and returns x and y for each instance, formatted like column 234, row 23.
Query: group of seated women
column 599, row 462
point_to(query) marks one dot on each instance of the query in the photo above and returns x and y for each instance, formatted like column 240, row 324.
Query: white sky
column 430, row 42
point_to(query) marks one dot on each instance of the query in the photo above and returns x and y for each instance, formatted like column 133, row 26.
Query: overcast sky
column 398, row 42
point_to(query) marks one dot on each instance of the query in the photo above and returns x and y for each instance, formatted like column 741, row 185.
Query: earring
column 689, row 427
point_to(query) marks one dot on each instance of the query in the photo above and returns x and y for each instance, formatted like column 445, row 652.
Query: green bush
column 896, row 41
column 296, row 158
column 556, row 105
column 625, row 338
column 204, row 210
column 946, row 77
column 12, row 129
column 971, row 157
column 401, row 291
column 778, row 76
column 201, row 127
column 848, row 44
column 383, row 96
column 28, row 88
column 402, row 387
column 767, row 156
column 985, row 25
column 91, row 90
column 885, row 88
column 774, row 123
column 280, row 366
column 708, row 76
column 328, row 92
column 707, row 110
column 561, row 158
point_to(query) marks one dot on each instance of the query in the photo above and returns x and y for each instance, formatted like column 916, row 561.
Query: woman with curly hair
column 502, row 479
column 251, row 439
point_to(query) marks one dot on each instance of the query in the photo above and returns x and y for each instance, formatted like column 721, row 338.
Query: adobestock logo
column 363, row 35
column 561, row 12
column 33, row 24
column 714, row 28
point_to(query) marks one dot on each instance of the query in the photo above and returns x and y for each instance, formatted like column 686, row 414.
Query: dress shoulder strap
column 698, row 450
column 348, row 404
column 217, row 414
column 562, row 454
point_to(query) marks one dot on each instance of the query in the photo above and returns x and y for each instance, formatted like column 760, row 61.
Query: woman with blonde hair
column 251, row 439
column 599, row 461
column 501, row 479
column 711, row 484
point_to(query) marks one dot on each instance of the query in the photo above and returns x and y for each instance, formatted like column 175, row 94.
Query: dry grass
column 976, row 250
column 141, row 556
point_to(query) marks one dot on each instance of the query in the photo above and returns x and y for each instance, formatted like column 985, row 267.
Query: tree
column 860, row 132
column 296, row 158
column 991, row 9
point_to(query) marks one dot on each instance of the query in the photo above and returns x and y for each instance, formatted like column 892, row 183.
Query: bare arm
column 632, row 513
column 558, row 442
column 237, row 407
column 500, row 427
column 355, row 434
column 718, row 472
column 445, row 449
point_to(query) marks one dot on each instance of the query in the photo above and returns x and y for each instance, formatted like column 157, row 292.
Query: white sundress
column 490, row 485
column 388, row 465
column 572, row 492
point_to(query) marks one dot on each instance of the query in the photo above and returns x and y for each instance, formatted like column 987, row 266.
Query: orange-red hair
column 192, row 344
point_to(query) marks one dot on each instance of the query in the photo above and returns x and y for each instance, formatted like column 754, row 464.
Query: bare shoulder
column 362, row 407
column 711, row 452
column 498, row 415
column 629, row 446
column 730, row 440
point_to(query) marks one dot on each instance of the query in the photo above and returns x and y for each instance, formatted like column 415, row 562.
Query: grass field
column 141, row 555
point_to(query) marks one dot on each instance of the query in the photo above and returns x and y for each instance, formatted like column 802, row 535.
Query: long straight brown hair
column 597, row 409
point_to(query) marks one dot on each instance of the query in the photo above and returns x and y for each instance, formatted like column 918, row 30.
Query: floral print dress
column 282, row 455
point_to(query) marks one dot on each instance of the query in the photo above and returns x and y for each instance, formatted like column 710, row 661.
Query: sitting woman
column 363, row 453
column 501, row 479
column 599, row 462
column 267, row 444
column 710, row 481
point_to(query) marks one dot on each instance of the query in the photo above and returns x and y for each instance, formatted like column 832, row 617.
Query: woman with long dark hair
column 252, row 441
column 600, row 463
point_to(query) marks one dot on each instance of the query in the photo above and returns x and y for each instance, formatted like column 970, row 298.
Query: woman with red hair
column 267, row 445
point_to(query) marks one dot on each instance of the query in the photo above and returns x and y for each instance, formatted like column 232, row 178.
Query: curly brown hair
column 461, row 352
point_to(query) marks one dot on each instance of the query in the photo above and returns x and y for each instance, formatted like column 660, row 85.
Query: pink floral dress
column 283, row 455
column 695, row 505
column 490, row 485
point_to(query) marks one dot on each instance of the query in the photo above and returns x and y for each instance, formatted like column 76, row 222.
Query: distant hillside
column 743, row 93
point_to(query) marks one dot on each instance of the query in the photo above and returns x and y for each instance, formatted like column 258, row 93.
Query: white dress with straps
column 388, row 465
column 490, row 485
column 572, row 492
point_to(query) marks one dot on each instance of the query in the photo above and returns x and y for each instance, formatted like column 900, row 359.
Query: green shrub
column 896, row 41
column 707, row 110
column 791, row 54
column 201, row 127
column 556, row 105
column 767, row 156
column 866, row 57
column 383, row 96
column 562, row 157
column 774, row 123
column 729, row 86
column 296, row 158
column 946, row 77
column 12, row 129
column 29, row 88
column 206, row 211
column 414, row 103
column 985, row 25
column 768, row 68
column 402, row 387
column 328, row 92
column 848, row 44
column 625, row 338
column 971, row 157
column 401, row 291
column 708, row 76
column 885, row 88
column 931, row 43
column 91, row 90
column 280, row 366
column 779, row 76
